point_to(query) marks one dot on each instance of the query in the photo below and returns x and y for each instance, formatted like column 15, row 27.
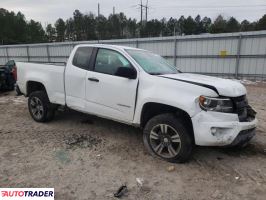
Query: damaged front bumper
column 243, row 137
column 222, row 129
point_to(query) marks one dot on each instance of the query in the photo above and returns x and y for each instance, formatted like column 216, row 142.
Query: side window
column 82, row 57
column 108, row 61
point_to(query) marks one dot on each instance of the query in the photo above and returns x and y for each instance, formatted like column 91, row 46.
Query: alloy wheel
column 165, row 141
column 36, row 107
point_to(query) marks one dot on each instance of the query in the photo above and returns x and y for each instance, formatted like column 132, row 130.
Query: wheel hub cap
column 165, row 141
column 36, row 107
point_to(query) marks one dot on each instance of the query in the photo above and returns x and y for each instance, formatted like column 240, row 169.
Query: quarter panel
column 51, row 76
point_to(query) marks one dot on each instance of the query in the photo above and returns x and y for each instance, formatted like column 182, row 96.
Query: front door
column 107, row 94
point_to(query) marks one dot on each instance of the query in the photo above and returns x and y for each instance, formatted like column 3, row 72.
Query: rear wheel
column 167, row 138
column 40, row 108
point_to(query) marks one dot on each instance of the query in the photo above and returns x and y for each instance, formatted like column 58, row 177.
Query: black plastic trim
column 93, row 58
column 243, row 137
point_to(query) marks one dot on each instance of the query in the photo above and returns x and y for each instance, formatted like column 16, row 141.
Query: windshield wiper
column 156, row 73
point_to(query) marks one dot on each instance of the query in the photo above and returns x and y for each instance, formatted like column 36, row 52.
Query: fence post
column 48, row 53
column 238, row 55
column 175, row 43
column 137, row 43
column 28, row 53
column 7, row 56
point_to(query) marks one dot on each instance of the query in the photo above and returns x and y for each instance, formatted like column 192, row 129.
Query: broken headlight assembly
column 216, row 104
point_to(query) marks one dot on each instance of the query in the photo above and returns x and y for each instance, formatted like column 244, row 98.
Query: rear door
column 75, row 78
column 107, row 94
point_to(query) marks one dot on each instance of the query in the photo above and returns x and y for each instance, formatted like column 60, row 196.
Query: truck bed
column 51, row 75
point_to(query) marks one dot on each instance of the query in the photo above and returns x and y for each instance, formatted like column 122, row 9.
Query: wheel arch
column 33, row 86
column 152, row 109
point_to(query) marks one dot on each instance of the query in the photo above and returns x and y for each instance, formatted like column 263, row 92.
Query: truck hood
column 223, row 87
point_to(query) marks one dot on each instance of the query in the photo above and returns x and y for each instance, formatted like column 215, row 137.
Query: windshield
column 152, row 63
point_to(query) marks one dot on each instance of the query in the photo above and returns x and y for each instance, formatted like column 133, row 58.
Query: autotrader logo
column 27, row 193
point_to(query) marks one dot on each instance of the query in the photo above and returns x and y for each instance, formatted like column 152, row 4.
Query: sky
column 48, row 11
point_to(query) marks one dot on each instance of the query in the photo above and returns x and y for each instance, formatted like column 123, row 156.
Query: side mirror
column 126, row 72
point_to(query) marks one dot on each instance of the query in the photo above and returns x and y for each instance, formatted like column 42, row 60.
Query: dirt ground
column 85, row 157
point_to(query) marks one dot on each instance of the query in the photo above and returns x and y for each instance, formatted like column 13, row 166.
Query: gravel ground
column 85, row 157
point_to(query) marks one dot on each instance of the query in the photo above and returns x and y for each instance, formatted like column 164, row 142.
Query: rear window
column 82, row 57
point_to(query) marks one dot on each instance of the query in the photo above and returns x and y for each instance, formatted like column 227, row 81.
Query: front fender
column 181, row 95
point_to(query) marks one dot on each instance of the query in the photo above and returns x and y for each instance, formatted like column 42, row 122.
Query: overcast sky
column 47, row 11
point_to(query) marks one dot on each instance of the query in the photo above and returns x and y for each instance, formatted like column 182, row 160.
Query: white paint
column 104, row 98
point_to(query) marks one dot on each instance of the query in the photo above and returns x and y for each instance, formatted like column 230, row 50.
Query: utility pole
column 98, row 9
column 97, row 22
column 146, row 11
column 113, row 10
column 141, row 11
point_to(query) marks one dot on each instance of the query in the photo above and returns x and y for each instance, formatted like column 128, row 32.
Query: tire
column 17, row 90
column 40, row 108
column 167, row 138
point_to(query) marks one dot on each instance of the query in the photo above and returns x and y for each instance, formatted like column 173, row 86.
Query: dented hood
column 223, row 87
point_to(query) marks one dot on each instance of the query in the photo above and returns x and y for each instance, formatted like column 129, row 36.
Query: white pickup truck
column 175, row 110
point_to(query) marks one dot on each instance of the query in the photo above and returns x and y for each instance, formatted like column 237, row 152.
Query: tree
column 206, row 24
column 190, row 26
column 60, row 28
column 247, row 26
column 261, row 25
column 20, row 28
column 164, row 29
column 232, row 25
column 70, row 30
column 199, row 25
column 89, row 26
column 132, row 28
column 152, row 28
column 102, row 28
column 114, row 26
column 78, row 24
column 50, row 32
column 219, row 25
column 15, row 29
column 123, row 23
column 180, row 23
column 35, row 32
column 172, row 26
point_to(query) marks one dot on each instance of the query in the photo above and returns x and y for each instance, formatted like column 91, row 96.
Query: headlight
column 216, row 104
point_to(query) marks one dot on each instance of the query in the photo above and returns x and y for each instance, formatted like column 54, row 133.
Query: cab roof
column 109, row 46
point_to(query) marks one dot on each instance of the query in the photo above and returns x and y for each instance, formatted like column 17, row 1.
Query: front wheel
column 40, row 108
column 166, row 137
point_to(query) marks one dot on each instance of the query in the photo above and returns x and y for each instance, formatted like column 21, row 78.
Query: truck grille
column 241, row 107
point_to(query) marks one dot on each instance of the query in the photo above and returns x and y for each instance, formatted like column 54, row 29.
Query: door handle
column 93, row 79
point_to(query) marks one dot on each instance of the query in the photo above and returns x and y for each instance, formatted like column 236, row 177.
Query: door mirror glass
column 126, row 72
